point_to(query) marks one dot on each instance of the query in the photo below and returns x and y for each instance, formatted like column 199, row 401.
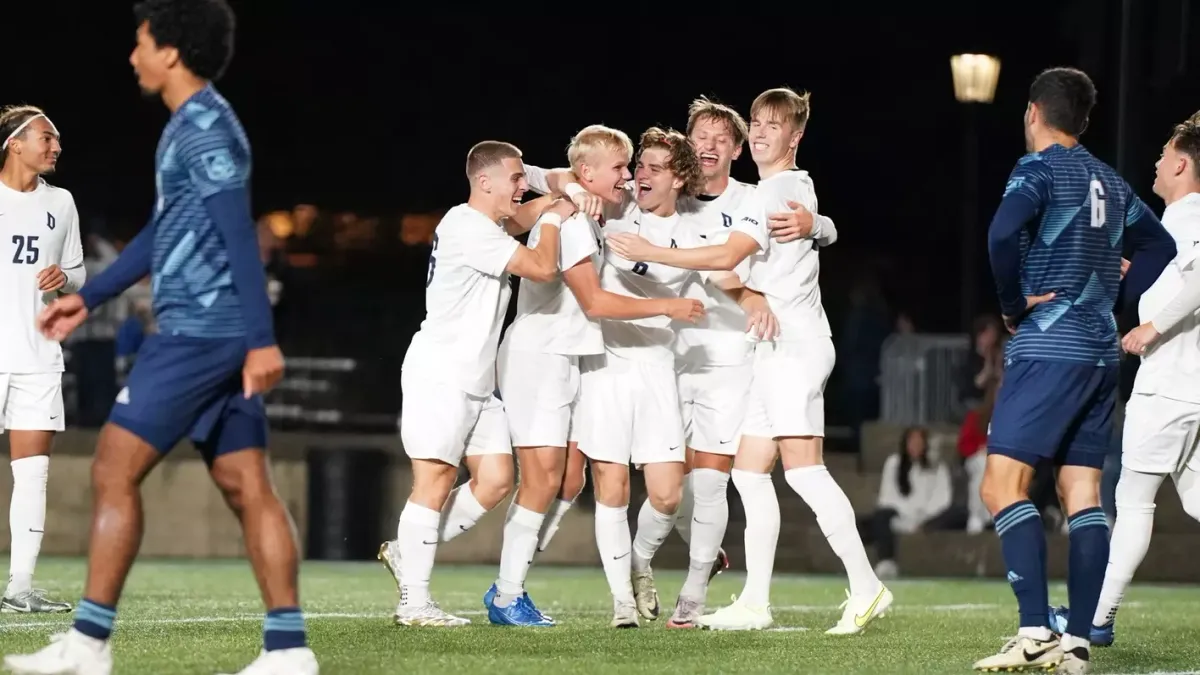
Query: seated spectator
column 972, row 448
column 984, row 362
column 915, row 494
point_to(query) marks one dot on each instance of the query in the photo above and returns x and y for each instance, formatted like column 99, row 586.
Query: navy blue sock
column 1086, row 566
column 1023, row 543
column 96, row 620
column 284, row 629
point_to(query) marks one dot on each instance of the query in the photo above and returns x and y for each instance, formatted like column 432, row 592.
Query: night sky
column 351, row 105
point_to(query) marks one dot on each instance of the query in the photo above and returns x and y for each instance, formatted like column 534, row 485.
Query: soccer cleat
column 33, row 601
column 625, row 615
column 520, row 612
column 70, row 653
column 737, row 616
column 860, row 611
column 1075, row 662
column 389, row 555
column 1023, row 653
column 687, row 612
column 1098, row 636
column 427, row 614
column 491, row 595
column 299, row 661
column 720, row 564
column 646, row 595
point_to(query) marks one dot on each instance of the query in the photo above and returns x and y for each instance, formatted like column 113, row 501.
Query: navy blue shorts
column 186, row 387
column 1049, row 411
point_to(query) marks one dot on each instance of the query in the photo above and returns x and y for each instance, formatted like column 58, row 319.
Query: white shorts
column 787, row 395
column 539, row 392
column 714, row 405
column 441, row 422
column 1160, row 434
column 629, row 412
column 31, row 402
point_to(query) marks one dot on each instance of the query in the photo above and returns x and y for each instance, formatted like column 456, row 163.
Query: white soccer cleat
column 738, row 616
column 860, row 611
column 428, row 614
column 1075, row 662
column 389, row 555
column 646, row 595
column 70, row 653
column 625, row 615
column 1024, row 653
column 300, row 661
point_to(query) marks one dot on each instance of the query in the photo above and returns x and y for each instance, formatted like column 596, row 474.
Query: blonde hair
column 596, row 137
column 682, row 161
column 705, row 108
column 783, row 105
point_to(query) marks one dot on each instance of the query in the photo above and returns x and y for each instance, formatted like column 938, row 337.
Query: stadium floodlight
column 975, row 77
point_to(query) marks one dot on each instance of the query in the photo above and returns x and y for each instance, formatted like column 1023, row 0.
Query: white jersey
column 1171, row 367
column 649, row 339
column 549, row 319
column 37, row 229
column 786, row 273
column 720, row 337
column 466, row 298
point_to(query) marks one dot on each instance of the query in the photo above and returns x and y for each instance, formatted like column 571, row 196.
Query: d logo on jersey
column 726, row 220
column 50, row 220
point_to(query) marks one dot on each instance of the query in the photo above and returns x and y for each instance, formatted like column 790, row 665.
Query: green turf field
column 205, row 617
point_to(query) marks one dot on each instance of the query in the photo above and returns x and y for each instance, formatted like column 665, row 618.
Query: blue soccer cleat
column 1098, row 636
column 521, row 612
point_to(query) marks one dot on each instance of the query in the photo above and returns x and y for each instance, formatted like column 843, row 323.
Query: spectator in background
column 984, row 363
column 915, row 494
column 93, row 346
column 972, row 448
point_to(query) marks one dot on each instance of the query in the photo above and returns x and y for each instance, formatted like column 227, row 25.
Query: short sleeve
column 751, row 220
column 1031, row 178
column 486, row 246
column 215, row 159
column 576, row 241
column 538, row 178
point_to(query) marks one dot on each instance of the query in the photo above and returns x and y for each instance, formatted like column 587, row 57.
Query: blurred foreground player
column 201, row 376
column 45, row 259
column 1055, row 245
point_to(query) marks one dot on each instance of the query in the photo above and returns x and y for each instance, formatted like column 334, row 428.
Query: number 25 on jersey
column 26, row 250
column 1096, row 192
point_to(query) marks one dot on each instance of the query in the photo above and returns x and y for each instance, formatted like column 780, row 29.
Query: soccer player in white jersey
column 1162, row 417
column 557, row 324
column 785, row 416
column 42, row 257
column 448, row 408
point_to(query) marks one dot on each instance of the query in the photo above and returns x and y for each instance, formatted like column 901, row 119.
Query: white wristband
column 552, row 219
column 573, row 190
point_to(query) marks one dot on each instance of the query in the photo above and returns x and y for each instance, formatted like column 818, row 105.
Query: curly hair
column 12, row 117
column 202, row 31
column 683, row 161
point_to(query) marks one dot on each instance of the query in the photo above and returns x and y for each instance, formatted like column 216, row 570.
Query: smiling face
column 656, row 185
column 36, row 147
column 777, row 121
column 717, row 145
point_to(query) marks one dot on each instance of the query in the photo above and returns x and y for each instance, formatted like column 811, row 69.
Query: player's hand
column 631, row 247
column 51, row 279
column 1031, row 301
column 1124, row 267
column 683, row 309
column 263, row 369
column 588, row 203
column 1138, row 340
column 563, row 207
column 791, row 225
column 62, row 316
column 760, row 320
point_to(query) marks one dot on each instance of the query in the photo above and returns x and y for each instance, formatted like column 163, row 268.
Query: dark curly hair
column 683, row 162
column 202, row 31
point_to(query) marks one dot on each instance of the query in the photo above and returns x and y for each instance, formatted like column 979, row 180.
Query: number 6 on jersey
column 1096, row 190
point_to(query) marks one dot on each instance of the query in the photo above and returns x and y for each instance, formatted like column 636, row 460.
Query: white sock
column 762, row 534
column 710, row 517
column 683, row 515
column 26, row 520
column 516, row 554
column 417, row 536
column 1040, row 633
column 1069, row 642
column 615, row 545
column 1130, row 539
column 553, row 519
column 652, row 530
column 836, row 518
column 460, row 513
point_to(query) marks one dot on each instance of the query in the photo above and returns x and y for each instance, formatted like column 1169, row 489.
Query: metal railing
column 919, row 378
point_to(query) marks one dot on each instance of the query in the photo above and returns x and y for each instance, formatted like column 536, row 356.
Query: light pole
column 975, row 78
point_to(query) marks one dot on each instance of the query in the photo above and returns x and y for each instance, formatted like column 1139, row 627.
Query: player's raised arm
column 1153, row 248
column 598, row 303
column 1027, row 192
column 540, row 263
column 526, row 216
column 562, row 182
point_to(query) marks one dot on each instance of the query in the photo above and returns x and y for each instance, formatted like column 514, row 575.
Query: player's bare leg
column 751, row 476
column 573, row 480
column 701, row 520
column 1005, row 491
column 30, row 454
column 805, row 471
column 611, row 482
column 664, row 487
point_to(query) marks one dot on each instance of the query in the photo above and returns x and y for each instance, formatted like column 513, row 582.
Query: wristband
column 550, row 218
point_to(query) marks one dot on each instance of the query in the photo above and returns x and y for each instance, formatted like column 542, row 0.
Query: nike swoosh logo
column 54, row 417
column 675, row 447
column 1036, row 655
column 37, row 531
column 727, row 442
column 429, row 543
column 700, row 522
column 618, row 557
column 463, row 528
column 861, row 620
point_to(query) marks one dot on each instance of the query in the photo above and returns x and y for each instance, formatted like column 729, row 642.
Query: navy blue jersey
column 1071, row 246
column 203, row 151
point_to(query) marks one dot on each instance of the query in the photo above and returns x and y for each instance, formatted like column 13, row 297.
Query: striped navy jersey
column 203, row 151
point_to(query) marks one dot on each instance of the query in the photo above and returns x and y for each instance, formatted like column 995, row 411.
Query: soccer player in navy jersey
column 202, row 375
column 1055, row 245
